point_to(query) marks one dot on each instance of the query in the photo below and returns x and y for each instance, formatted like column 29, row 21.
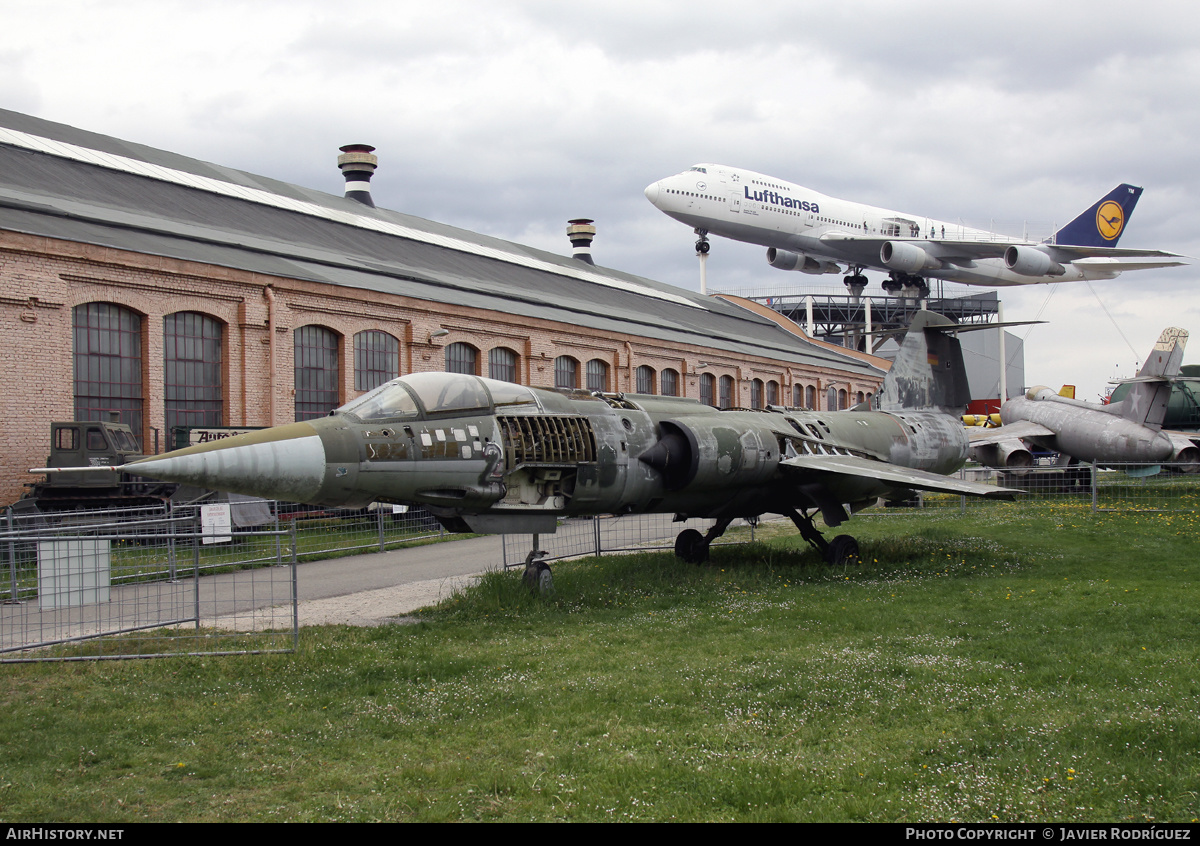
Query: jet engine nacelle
column 1006, row 455
column 1030, row 261
column 1187, row 455
column 787, row 260
column 906, row 257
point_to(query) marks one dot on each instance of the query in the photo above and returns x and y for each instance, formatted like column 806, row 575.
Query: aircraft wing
column 891, row 474
column 947, row 250
column 1182, row 439
column 1019, row 430
column 1102, row 263
column 964, row 252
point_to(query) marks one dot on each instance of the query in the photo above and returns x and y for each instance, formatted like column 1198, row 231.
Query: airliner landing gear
column 692, row 546
column 840, row 551
column 910, row 285
column 917, row 288
column 702, row 244
column 856, row 282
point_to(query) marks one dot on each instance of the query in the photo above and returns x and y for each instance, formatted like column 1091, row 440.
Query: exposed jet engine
column 786, row 260
column 1187, row 454
column 1029, row 261
column 906, row 258
column 1007, row 455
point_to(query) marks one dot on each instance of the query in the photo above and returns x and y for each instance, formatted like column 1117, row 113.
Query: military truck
column 93, row 443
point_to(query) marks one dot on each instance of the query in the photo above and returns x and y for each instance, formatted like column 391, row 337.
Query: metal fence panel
column 580, row 536
column 142, row 582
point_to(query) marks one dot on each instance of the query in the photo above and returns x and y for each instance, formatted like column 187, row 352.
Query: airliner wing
column 1104, row 263
column 892, row 475
column 946, row 250
column 962, row 252
column 1018, row 430
column 1077, row 253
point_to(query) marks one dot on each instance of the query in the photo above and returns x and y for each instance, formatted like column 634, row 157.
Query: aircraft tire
column 690, row 546
column 702, row 247
column 539, row 578
column 843, row 550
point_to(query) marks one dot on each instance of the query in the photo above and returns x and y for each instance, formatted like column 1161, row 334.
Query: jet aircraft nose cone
column 285, row 463
column 652, row 191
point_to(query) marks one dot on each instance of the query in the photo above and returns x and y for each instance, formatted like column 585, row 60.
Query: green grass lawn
column 1019, row 662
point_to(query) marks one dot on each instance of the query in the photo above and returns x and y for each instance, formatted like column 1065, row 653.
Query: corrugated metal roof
column 61, row 182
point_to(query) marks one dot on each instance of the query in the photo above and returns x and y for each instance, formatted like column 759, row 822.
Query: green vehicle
column 93, row 443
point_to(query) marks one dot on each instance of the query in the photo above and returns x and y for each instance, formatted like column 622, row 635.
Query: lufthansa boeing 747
column 813, row 233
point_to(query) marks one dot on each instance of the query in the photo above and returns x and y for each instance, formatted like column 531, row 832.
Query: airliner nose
column 652, row 192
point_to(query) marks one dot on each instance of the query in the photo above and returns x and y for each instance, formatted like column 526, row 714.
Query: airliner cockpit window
column 698, row 168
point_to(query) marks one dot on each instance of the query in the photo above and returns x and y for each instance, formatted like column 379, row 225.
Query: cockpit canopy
column 420, row 395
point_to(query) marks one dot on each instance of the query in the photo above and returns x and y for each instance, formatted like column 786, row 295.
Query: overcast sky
column 509, row 118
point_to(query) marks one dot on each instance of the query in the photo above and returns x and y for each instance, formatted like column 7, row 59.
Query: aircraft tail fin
column 1103, row 223
column 929, row 371
column 1150, row 391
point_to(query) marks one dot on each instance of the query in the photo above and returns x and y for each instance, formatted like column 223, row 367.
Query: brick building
column 183, row 293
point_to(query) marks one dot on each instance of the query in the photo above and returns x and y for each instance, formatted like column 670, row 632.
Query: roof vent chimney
column 581, row 232
column 358, row 163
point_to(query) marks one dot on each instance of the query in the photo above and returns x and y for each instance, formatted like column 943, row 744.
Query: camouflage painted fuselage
column 480, row 447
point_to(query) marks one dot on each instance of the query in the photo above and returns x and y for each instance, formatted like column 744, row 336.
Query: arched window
column 462, row 358
column 708, row 389
column 727, row 392
column 669, row 380
column 376, row 359
column 597, row 375
column 797, row 395
column 192, row 371
column 502, row 364
column 831, row 399
column 871, row 399
column 841, row 399
column 645, row 379
column 108, row 363
column 756, row 393
column 566, row 372
column 860, row 398
column 772, row 393
column 317, row 386
column 810, row 398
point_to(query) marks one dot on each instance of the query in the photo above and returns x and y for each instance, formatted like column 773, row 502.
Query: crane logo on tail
column 1110, row 220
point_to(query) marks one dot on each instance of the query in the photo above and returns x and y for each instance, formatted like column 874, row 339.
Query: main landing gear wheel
column 702, row 246
column 843, row 550
column 691, row 546
column 537, row 576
